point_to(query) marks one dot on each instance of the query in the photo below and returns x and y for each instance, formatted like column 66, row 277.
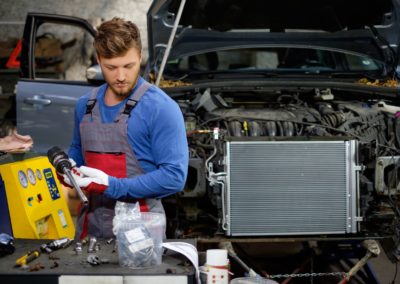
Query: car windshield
column 279, row 60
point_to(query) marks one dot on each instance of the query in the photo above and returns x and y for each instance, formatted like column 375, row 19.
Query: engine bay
column 213, row 119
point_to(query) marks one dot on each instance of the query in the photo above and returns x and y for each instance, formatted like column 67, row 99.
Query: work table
column 65, row 262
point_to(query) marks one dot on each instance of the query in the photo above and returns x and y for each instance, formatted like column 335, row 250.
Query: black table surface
column 67, row 262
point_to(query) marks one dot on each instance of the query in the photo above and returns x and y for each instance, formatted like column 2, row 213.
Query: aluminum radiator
column 291, row 188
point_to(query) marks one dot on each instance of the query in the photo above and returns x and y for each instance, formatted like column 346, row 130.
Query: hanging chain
column 372, row 250
column 320, row 274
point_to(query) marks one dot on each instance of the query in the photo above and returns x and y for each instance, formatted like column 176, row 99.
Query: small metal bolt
column 78, row 248
column 92, row 244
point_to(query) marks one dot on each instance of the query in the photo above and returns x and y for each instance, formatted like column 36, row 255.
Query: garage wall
column 13, row 13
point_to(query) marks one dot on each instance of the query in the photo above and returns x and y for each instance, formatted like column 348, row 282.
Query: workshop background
column 13, row 13
column 12, row 17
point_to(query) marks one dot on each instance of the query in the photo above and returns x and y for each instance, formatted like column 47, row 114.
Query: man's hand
column 93, row 180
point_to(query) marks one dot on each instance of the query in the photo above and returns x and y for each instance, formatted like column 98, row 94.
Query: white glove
column 63, row 177
column 93, row 180
column 76, row 174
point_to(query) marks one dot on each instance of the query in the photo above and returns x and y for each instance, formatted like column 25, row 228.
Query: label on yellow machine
column 37, row 207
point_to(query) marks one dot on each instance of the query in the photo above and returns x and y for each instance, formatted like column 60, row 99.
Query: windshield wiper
column 367, row 75
column 228, row 73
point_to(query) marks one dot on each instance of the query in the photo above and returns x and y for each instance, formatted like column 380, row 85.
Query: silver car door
column 56, row 52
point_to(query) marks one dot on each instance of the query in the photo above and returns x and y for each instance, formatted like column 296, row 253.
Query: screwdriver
column 23, row 260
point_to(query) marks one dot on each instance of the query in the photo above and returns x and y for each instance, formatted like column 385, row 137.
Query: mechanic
column 129, row 140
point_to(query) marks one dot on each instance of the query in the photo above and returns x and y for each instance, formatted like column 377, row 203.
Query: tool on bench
column 55, row 245
column 28, row 257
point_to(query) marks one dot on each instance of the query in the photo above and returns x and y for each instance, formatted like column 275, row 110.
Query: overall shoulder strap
column 91, row 103
column 132, row 101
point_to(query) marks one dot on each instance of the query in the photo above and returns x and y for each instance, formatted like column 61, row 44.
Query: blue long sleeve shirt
column 156, row 133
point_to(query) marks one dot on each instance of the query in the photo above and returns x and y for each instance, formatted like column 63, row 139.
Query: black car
column 291, row 113
column 291, row 108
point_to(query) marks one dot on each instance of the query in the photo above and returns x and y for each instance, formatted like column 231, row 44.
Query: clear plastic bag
column 139, row 235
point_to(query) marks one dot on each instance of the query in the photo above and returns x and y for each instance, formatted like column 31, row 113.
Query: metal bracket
column 387, row 163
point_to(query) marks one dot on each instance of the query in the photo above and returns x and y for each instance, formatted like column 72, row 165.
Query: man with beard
column 129, row 140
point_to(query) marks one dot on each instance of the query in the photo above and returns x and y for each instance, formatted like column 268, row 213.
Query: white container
column 217, row 266
column 217, row 257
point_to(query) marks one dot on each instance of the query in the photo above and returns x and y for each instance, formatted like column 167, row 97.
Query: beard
column 124, row 92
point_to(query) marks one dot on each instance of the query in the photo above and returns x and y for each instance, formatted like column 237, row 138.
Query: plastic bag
column 139, row 235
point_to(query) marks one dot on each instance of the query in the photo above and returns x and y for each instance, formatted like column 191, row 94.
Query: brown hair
column 115, row 37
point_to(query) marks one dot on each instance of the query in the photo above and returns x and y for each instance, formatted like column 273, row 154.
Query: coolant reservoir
column 190, row 122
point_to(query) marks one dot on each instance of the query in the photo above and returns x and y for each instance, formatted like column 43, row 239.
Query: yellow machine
column 32, row 195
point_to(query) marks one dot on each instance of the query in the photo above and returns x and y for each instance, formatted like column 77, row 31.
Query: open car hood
column 365, row 28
